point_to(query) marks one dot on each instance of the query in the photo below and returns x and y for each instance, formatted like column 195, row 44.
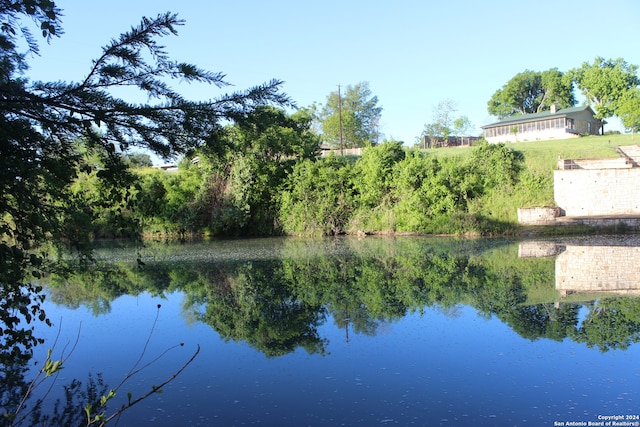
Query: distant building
column 452, row 141
column 326, row 150
column 553, row 124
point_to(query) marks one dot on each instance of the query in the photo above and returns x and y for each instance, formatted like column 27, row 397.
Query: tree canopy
column 532, row 92
column 354, row 114
column 628, row 108
column 605, row 82
column 41, row 119
column 44, row 124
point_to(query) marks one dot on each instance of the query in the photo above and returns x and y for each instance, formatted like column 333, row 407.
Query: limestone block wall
column 541, row 215
column 619, row 163
column 598, row 269
column 585, row 192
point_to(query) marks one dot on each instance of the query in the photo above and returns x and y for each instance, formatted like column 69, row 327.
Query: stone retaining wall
column 586, row 192
column 542, row 215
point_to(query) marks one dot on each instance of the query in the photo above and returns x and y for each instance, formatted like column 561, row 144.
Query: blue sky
column 413, row 53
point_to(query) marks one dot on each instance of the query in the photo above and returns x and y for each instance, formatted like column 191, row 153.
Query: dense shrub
column 391, row 190
column 318, row 198
column 250, row 190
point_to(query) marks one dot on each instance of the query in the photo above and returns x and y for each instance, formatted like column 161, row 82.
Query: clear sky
column 413, row 53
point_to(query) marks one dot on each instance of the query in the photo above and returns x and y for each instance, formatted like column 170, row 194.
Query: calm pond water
column 405, row 331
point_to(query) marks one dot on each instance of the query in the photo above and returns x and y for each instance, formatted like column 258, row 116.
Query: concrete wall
column 598, row 269
column 541, row 135
column 538, row 215
column 618, row 163
column 584, row 192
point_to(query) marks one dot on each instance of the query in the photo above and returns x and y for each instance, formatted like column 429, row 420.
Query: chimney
column 553, row 108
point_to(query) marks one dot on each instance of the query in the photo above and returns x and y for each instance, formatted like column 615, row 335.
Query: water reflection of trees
column 252, row 303
column 277, row 305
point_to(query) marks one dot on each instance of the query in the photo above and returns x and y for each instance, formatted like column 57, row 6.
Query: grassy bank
column 543, row 155
column 535, row 187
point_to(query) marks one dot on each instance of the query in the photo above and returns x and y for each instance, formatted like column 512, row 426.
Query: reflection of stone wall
column 538, row 249
column 585, row 192
column 598, row 269
column 538, row 215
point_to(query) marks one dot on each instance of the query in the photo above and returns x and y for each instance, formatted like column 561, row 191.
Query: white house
column 553, row 124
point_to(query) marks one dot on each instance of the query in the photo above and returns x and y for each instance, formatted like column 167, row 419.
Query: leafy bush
column 318, row 198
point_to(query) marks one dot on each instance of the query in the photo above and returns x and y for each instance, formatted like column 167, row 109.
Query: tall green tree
column 261, row 152
column 604, row 82
column 628, row 108
column 354, row 114
column 532, row 92
column 40, row 122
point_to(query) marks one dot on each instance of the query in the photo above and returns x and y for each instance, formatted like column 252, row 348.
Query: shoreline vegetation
column 388, row 190
column 71, row 175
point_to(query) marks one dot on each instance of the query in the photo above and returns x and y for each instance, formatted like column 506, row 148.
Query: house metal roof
column 539, row 116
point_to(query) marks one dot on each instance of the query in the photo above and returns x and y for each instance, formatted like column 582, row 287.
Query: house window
column 570, row 124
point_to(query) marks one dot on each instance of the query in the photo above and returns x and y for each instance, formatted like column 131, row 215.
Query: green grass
column 540, row 161
column 542, row 156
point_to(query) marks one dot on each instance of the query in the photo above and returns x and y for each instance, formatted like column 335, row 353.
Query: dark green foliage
column 318, row 197
column 40, row 122
column 611, row 324
column 277, row 305
column 374, row 171
column 262, row 152
column 254, row 305
column 231, row 188
column 64, row 170
column 532, row 92
column 391, row 190
column 264, row 179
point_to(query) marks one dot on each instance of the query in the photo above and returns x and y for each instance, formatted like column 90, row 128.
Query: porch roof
column 563, row 112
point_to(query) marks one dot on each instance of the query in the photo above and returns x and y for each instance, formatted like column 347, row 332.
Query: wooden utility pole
column 340, row 120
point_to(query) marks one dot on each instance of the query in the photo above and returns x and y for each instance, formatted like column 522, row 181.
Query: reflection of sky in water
column 583, row 312
column 453, row 368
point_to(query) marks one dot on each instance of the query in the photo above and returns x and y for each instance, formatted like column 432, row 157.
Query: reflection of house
column 552, row 124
